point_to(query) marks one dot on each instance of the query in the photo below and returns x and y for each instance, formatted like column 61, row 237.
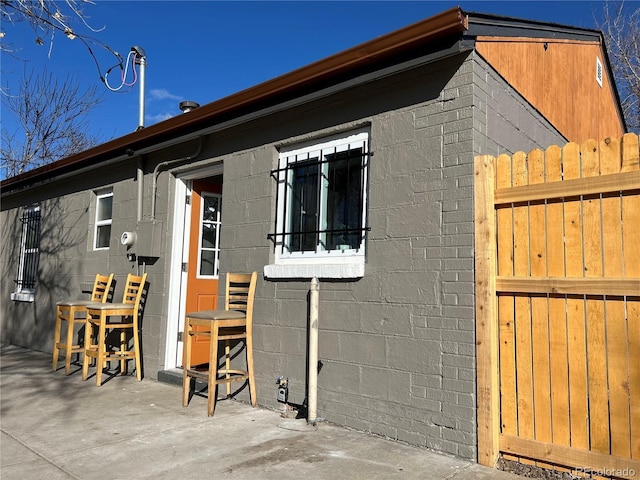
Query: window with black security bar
column 323, row 201
column 29, row 250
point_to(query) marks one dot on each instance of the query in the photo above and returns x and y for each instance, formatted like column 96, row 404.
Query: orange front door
column 204, row 252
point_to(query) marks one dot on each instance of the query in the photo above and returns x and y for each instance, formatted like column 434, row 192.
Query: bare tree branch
column 49, row 18
column 53, row 122
column 46, row 17
column 621, row 29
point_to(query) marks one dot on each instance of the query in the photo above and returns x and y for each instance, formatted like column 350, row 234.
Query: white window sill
column 320, row 270
column 22, row 297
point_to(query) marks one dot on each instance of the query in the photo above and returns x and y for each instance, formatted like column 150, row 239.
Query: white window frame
column 347, row 263
column 101, row 223
column 23, row 293
column 216, row 248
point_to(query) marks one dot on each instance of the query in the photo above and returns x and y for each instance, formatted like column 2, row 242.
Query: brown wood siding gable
column 558, row 78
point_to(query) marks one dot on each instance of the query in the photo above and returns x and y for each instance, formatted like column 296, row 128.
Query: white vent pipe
column 143, row 65
column 140, row 59
column 313, row 351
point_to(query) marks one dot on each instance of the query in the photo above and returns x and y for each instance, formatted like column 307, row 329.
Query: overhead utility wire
column 131, row 58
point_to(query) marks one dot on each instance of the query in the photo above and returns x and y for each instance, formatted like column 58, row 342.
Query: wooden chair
column 99, row 317
column 233, row 323
column 74, row 312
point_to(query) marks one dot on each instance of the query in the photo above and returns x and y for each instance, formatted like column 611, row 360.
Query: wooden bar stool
column 233, row 323
column 99, row 317
column 75, row 312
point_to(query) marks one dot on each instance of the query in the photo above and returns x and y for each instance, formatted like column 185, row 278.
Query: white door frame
column 179, row 255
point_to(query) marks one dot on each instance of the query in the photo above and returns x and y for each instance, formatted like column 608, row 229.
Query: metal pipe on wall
column 140, row 174
column 141, row 59
column 156, row 172
column 312, row 414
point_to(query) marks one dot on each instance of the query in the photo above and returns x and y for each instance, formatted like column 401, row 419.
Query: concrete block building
column 356, row 170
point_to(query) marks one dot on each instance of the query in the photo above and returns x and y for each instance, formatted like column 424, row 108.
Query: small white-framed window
column 209, row 242
column 29, row 254
column 321, row 205
column 104, row 216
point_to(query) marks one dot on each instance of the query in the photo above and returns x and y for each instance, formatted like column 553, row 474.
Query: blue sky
column 206, row 50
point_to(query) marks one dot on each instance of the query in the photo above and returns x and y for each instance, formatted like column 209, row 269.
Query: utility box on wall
column 149, row 239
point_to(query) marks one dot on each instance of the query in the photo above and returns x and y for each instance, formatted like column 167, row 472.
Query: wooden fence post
column 486, row 324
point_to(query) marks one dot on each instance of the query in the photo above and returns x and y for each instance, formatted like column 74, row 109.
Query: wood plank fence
column 557, row 242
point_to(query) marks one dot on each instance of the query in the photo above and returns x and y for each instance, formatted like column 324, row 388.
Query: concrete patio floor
column 58, row 427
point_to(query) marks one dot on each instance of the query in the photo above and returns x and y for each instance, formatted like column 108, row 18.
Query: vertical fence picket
column 539, row 308
column 558, row 360
column 578, row 406
column 539, row 305
column 506, row 320
column 631, row 242
column 617, row 345
column 524, row 360
column 596, row 355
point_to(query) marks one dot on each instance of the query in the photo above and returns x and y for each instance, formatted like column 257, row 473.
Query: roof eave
column 482, row 24
column 452, row 22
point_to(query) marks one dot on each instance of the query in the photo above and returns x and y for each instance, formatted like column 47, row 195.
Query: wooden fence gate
column 557, row 245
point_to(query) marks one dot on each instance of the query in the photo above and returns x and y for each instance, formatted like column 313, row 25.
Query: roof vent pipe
column 140, row 59
column 188, row 105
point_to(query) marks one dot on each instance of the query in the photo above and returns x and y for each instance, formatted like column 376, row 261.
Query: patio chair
column 99, row 317
column 74, row 312
column 235, row 322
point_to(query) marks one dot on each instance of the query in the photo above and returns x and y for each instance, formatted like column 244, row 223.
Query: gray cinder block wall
column 397, row 346
column 67, row 261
